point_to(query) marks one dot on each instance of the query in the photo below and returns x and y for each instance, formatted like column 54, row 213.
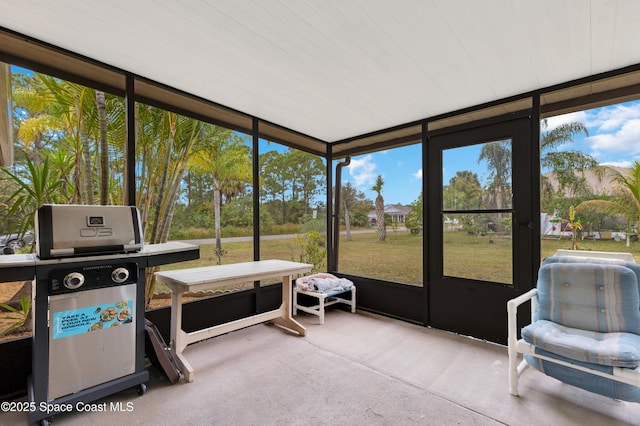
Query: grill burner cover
column 78, row 230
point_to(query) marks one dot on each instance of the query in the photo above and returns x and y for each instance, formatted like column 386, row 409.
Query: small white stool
column 324, row 300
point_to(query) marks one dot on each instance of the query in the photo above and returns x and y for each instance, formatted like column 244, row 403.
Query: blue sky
column 614, row 133
column 401, row 171
column 614, row 139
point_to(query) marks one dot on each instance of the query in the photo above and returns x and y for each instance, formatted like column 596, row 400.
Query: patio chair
column 585, row 326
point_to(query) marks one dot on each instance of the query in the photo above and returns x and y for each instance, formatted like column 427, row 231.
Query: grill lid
column 79, row 230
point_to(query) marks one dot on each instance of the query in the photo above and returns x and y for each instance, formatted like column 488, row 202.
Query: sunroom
column 272, row 130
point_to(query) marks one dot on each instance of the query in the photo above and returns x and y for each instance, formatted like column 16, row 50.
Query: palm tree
column 382, row 231
column 35, row 186
column 149, row 144
column 560, row 135
column 166, row 143
column 166, row 178
column 498, row 155
column 348, row 198
column 74, row 105
column 226, row 157
column 233, row 189
column 625, row 202
column 117, row 137
column 63, row 118
column 568, row 167
column 44, row 134
column 40, row 124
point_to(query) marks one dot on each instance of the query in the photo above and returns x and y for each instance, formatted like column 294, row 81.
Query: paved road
column 205, row 241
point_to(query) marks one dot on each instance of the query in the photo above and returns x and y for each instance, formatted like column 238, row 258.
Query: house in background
column 397, row 212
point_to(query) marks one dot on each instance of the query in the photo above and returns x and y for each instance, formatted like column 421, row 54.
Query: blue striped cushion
column 612, row 349
column 589, row 296
column 581, row 379
column 635, row 267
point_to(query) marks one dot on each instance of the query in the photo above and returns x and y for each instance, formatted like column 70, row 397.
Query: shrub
column 310, row 248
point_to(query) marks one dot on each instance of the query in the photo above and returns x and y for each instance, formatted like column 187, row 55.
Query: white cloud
column 614, row 131
column 611, row 118
column 418, row 174
column 625, row 139
column 603, row 119
column 363, row 171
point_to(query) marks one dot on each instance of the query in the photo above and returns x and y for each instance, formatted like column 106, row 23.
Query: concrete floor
column 356, row 369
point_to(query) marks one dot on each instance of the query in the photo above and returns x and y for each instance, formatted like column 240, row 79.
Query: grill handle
column 92, row 250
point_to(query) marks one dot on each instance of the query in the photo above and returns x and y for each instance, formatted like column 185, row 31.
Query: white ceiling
column 334, row 69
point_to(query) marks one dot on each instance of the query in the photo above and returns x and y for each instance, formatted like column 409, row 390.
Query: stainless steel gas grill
column 88, row 310
column 74, row 230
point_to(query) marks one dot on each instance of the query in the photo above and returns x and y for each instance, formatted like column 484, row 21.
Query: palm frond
column 600, row 206
column 561, row 135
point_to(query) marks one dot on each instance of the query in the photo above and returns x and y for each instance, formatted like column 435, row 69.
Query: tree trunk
column 77, row 181
column 145, row 206
column 143, row 198
column 141, row 177
column 284, row 206
column 6, row 120
column 188, row 181
column 347, row 222
column 86, row 154
column 382, row 231
column 104, row 148
column 216, row 213
column 173, row 195
column 167, row 219
column 155, row 230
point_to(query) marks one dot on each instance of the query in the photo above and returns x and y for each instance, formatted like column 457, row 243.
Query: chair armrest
column 512, row 314
column 514, row 303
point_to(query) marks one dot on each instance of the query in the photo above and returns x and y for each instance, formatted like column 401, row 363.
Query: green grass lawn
column 548, row 246
column 478, row 257
column 399, row 258
column 238, row 252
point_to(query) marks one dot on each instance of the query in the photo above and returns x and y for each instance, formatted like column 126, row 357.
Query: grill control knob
column 120, row 275
column 73, row 280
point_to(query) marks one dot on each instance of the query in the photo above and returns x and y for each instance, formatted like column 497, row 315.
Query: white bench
column 181, row 281
column 324, row 299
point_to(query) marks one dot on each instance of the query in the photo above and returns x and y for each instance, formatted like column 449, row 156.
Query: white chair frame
column 324, row 300
column 515, row 347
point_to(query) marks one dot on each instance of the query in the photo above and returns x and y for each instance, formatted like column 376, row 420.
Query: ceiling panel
column 335, row 69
